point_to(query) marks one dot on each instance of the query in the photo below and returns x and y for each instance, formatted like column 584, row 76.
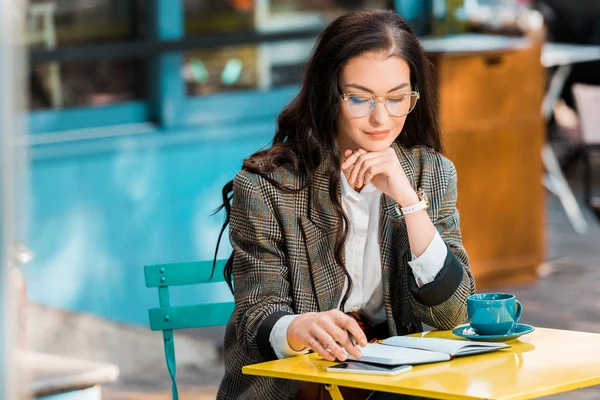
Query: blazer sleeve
column 260, row 270
column 443, row 302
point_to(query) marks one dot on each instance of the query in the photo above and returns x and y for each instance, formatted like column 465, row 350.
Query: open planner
column 398, row 350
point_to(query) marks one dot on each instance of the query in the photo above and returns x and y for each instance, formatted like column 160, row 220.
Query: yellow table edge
column 335, row 383
column 332, row 380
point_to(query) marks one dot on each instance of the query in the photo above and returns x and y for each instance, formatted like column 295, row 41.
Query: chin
column 376, row 146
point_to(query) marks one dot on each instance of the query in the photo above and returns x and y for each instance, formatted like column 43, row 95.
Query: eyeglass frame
column 345, row 97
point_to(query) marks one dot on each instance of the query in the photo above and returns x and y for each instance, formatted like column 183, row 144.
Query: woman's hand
column 383, row 169
column 320, row 332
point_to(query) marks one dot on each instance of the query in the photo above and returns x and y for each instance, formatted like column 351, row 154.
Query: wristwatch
column 421, row 205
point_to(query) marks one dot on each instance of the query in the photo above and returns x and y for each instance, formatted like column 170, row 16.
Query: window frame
column 166, row 104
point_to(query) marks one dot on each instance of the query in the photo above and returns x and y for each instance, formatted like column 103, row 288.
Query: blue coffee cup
column 493, row 313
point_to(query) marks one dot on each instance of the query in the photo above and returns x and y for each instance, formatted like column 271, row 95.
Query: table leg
column 555, row 89
column 556, row 183
column 334, row 391
column 554, row 180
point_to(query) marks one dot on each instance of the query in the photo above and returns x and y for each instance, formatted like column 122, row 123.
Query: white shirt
column 363, row 262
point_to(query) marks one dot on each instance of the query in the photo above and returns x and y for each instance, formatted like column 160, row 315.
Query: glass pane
column 79, row 84
column 260, row 66
column 246, row 67
column 207, row 16
column 66, row 22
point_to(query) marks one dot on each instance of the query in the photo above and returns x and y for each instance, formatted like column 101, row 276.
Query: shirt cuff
column 278, row 338
column 428, row 264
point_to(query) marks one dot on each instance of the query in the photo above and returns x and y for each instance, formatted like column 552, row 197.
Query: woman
column 331, row 232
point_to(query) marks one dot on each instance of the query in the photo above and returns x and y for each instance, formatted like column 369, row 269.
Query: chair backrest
column 587, row 98
column 166, row 318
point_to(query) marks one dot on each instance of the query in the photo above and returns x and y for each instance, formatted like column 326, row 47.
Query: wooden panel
column 500, row 196
column 499, row 174
column 490, row 90
column 506, row 272
column 493, row 131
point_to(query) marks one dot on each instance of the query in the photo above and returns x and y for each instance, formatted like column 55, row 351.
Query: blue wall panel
column 241, row 106
column 97, row 219
column 88, row 117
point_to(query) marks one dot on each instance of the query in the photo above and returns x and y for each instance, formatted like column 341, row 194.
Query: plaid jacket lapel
column 320, row 208
column 320, row 234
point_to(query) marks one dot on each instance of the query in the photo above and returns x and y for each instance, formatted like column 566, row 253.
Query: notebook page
column 448, row 346
column 382, row 354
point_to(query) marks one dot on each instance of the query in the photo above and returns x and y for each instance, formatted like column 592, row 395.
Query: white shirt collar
column 348, row 191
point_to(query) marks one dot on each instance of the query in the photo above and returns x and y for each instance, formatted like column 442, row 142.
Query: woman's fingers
column 342, row 337
column 350, row 325
column 364, row 168
column 326, row 346
column 362, row 163
column 373, row 171
column 322, row 351
column 348, row 159
column 328, row 333
column 351, row 159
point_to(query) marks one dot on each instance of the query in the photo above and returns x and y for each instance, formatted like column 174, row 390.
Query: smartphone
column 357, row 367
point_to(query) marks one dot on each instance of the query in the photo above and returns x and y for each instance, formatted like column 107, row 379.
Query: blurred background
column 122, row 120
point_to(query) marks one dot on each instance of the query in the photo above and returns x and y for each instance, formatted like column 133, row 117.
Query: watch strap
column 421, row 205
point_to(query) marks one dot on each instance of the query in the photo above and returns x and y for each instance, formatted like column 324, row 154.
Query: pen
column 352, row 340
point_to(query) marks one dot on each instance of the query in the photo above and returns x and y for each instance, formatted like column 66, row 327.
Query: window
column 93, row 62
column 62, row 24
column 256, row 65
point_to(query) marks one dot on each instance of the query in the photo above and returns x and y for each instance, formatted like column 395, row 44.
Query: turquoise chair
column 206, row 313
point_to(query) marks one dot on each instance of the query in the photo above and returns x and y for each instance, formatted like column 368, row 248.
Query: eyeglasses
column 397, row 104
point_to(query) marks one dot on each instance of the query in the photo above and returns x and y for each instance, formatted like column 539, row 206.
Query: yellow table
column 545, row 362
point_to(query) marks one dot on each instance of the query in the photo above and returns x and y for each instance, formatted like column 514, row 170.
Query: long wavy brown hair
column 307, row 128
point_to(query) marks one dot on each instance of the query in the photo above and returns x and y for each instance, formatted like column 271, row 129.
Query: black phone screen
column 361, row 366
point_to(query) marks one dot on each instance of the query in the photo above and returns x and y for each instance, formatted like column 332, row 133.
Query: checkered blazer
column 283, row 249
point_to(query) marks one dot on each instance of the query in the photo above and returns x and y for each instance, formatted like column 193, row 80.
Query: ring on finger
column 311, row 342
